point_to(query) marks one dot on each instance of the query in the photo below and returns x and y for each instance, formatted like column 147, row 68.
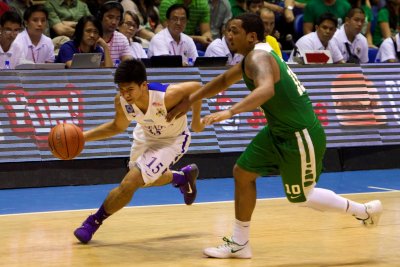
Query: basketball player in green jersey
column 293, row 142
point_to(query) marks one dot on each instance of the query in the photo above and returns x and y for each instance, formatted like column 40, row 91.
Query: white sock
column 325, row 200
column 241, row 231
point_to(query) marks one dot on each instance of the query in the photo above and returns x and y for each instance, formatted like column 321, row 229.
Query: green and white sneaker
column 230, row 249
column 374, row 212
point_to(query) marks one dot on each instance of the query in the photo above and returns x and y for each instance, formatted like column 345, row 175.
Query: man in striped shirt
column 110, row 15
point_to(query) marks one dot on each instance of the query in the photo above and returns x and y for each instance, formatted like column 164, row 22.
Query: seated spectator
column 198, row 24
column 129, row 28
column 284, row 20
column 268, row 18
column 352, row 44
column 220, row 11
column 111, row 15
column 37, row 48
column 21, row 5
column 365, row 5
column 254, row 6
column 320, row 39
column 172, row 40
column 388, row 22
column 63, row 16
column 389, row 51
column 315, row 8
column 86, row 39
column 148, row 16
column 221, row 48
column 10, row 26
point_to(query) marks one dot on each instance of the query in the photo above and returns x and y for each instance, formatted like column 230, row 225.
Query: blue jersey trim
column 158, row 87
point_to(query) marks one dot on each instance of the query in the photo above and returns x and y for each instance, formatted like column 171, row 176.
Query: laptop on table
column 86, row 61
column 210, row 61
column 167, row 61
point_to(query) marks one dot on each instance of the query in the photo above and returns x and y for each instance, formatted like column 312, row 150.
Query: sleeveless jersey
column 152, row 124
column 290, row 109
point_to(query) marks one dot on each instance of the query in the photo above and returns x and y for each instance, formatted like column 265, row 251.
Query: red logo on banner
column 321, row 113
column 33, row 114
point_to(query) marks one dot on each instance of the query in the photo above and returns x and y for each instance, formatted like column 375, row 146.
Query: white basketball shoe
column 374, row 212
column 230, row 249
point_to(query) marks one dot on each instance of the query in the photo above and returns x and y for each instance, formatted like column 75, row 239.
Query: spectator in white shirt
column 352, row 44
column 37, row 48
column 320, row 39
column 389, row 50
column 110, row 16
column 10, row 26
column 221, row 48
column 129, row 28
column 172, row 40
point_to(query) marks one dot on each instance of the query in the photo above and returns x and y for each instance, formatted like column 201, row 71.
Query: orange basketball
column 66, row 141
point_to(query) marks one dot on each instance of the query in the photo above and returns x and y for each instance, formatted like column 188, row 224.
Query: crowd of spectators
column 44, row 31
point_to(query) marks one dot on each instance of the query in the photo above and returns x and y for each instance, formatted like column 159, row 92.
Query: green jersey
column 290, row 109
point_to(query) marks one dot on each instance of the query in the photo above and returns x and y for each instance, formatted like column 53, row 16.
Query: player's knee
column 242, row 176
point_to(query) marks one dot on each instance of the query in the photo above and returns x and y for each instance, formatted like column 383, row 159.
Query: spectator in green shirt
column 388, row 22
column 64, row 15
column 199, row 18
column 315, row 8
column 238, row 7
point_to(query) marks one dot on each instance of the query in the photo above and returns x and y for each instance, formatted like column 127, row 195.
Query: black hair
column 10, row 16
column 354, row 11
column 252, row 23
column 175, row 7
column 78, row 34
column 107, row 6
column 35, row 8
column 327, row 16
column 249, row 2
column 131, row 70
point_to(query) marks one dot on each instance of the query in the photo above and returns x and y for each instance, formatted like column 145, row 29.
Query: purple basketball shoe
column 87, row 230
column 189, row 189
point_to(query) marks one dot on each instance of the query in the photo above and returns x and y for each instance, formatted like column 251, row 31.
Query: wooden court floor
column 281, row 235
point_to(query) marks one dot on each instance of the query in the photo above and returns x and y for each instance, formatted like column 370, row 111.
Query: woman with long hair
column 86, row 39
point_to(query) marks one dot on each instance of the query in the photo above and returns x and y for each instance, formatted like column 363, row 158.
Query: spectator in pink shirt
column 111, row 15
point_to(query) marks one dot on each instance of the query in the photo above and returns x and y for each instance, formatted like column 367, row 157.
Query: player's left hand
column 217, row 117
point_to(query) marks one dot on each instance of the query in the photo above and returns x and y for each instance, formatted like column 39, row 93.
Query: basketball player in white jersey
column 157, row 145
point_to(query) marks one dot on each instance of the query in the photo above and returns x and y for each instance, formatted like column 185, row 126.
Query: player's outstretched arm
column 259, row 67
column 216, row 85
column 175, row 95
column 118, row 125
column 197, row 124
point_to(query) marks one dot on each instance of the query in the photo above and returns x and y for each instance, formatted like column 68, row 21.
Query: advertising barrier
column 357, row 105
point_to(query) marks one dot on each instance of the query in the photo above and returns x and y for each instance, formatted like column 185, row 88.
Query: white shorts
column 155, row 157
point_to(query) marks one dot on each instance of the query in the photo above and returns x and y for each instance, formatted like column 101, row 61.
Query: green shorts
column 298, row 158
